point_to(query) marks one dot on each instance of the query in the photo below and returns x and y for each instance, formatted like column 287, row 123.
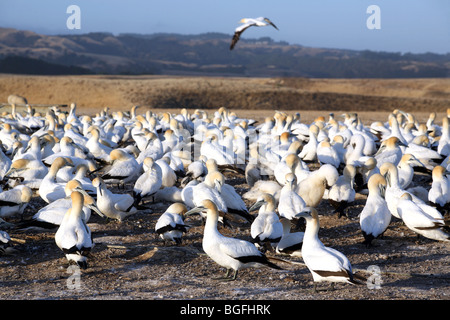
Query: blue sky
column 406, row 26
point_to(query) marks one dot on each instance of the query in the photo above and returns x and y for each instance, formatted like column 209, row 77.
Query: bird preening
column 247, row 23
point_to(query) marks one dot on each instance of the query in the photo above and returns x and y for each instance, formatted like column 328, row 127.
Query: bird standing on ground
column 149, row 182
column 375, row 216
column 324, row 263
column 247, row 23
column 74, row 236
column 230, row 253
column 342, row 193
column 266, row 228
column 113, row 205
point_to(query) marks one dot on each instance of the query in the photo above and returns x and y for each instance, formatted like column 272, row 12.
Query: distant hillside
column 23, row 65
column 209, row 54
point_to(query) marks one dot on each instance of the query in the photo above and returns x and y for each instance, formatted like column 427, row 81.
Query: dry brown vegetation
column 92, row 93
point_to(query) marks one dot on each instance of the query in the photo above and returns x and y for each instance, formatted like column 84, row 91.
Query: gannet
column 375, row 216
column 342, row 193
column 51, row 216
column 324, row 263
column 422, row 219
column 14, row 201
column 170, row 225
column 444, row 141
column 312, row 188
column 123, row 168
column 393, row 190
column 291, row 242
column 247, row 23
column 327, row 154
column 50, row 190
column 31, row 171
column 113, row 205
column 168, row 176
column 290, row 203
column 148, row 183
column 389, row 151
column 230, row 253
column 266, row 228
column 405, row 169
column 309, row 151
column 439, row 193
column 73, row 236
column 209, row 189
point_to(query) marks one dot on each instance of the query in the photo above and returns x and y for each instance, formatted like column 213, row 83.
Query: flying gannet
column 247, row 23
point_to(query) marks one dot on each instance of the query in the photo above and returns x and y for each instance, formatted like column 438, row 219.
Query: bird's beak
column 256, row 206
column 218, row 186
column 96, row 209
column 380, row 150
column 387, row 176
column 305, row 213
column 382, row 190
column 193, row 211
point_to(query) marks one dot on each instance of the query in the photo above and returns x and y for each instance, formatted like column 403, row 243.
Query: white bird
column 149, row 182
column 170, row 225
column 123, row 168
column 309, row 151
column 247, row 23
column 74, row 237
column 52, row 215
column 444, row 141
column 168, row 175
column 50, row 190
column 266, row 228
column 95, row 146
column 290, row 203
column 422, row 219
column 439, row 193
column 312, row 189
column 324, row 263
column 327, row 154
column 209, row 189
column 195, row 170
column 375, row 216
column 113, row 205
column 32, row 171
column 230, row 253
column 14, row 201
column 406, row 169
column 235, row 205
column 389, row 151
column 393, row 190
column 342, row 193
column 291, row 242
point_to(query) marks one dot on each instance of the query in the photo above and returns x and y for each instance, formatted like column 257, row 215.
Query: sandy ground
column 129, row 261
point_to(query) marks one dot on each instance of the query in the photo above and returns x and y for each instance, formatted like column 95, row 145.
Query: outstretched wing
column 237, row 33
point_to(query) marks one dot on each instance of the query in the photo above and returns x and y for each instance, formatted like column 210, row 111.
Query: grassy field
column 310, row 97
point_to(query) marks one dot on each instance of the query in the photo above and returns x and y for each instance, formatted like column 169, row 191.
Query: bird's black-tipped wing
column 238, row 32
